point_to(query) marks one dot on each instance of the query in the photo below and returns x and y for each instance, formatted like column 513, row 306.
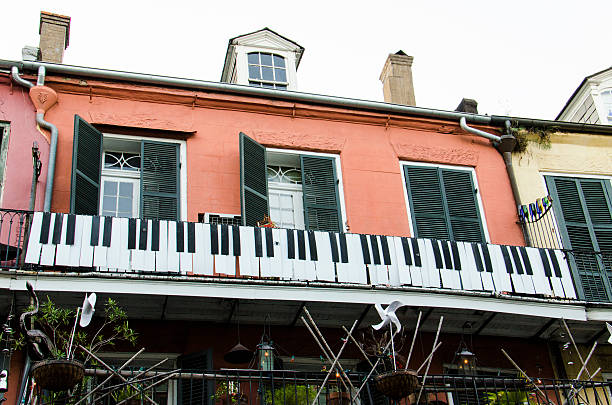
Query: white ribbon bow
column 388, row 315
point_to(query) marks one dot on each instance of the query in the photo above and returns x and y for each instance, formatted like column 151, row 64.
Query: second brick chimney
column 54, row 33
column 396, row 78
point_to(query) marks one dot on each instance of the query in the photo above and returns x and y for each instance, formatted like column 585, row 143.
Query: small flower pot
column 397, row 384
column 58, row 375
column 338, row 398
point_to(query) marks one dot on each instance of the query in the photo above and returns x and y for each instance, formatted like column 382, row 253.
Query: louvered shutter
column 195, row 391
column 159, row 181
column 443, row 204
column 585, row 218
column 86, row 168
column 320, row 191
column 253, row 181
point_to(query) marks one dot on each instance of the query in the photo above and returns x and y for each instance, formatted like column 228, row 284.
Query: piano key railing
column 285, row 387
column 13, row 237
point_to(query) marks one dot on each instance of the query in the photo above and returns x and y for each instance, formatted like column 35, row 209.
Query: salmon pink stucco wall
column 370, row 147
column 16, row 108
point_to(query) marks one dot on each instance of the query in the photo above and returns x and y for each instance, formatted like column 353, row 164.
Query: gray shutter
column 195, row 391
column 320, row 190
column 159, row 181
column 584, row 216
column 86, row 168
column 462, row 206
column 253, row 181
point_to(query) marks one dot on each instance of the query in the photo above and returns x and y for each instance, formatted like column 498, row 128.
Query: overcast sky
column 521, row 58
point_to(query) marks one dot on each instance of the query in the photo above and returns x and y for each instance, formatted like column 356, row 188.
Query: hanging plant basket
column 58, row 375
column 397, row 384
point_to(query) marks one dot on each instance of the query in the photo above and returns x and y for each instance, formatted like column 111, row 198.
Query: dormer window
column 267, row 70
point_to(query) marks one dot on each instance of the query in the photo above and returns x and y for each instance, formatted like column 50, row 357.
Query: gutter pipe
column 40, row 120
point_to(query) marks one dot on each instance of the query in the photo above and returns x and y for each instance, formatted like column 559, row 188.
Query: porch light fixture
column 466, row 361
column 265, row 356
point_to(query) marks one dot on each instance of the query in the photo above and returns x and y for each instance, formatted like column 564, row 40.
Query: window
column 297, row 190
column 125, row 176
column 606, row 99
column 267, row 70
column 443, row 203
column 584, row 213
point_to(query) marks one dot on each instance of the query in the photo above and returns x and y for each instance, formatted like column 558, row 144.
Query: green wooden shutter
column 195, row 391
column 86, row 168
column 584, row 215
column 443, row 204
column 320, row 191
column 253, row 181
column 159, row 181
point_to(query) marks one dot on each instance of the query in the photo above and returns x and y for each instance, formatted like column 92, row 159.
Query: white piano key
column 149, row 254
column 566, row 277
column 309, row 268
column 276, row 262
column 138, row 256
column 403, row 270
column 34, row 246
column 488, row 282
column 500, row 276
column 249, row 263
column 416, row 271
column 100, row 251
column 286, row 263
column 382, row 274
column 431, row 274
column 173, row 255
column 75, row 249
column 185, row 258
column 393, row 268
column 450, row 277
column 225, row 264
column 124, row 254
column 47, row 254
column 62, row 253
column 540, row 281
column 113, row 258
column 203, row 262
column 324, row 265
column 161, row 256
column 468, row 267
column 87, row 250
column 354, row 270
column 265, row 262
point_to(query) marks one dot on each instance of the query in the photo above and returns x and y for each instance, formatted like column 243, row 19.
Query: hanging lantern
column 466, row 361
column 265, row 356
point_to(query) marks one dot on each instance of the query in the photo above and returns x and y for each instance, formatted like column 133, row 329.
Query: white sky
column 522, row 58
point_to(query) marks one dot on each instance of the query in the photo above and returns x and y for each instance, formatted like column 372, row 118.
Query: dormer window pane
column 254, row 58
column 267, row 70
column 279, row 61
column 254, row 72
column 281, row 75
column 266, row 59
column 267, row 73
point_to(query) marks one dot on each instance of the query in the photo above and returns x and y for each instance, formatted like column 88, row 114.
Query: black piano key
column 290, row 244
column 417, row 252
column 155, row 235
column 545, row 262
column 44, row 228
column 191, row 237
column 312, row 245
column 107, row 231
column 343, row 249
column 525, row 256
column 487, row 257
column 301, row 245
column 236, row 240
column 517, row 260
column 70, row 229
column 507, row 260
column 365, row 249
column 180, row 236
column 555, row 262
column 334, row 247
column 269, row 243
column 214, row 240
column 57, row 229
column 436, row 251
column 258, row 246
column 375, row 252
column 224, row 239
column 477, row 257
column 95, row 231
column 384, row 244
column 132, row 233
column 456, row 258
column 406, row 249
column 144, row 231
column 448, row 261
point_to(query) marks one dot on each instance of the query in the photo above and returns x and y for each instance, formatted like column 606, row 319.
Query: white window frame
column 242, row 64
column 338, row 167
column 262, row 80
column 469, row 169
column 182, row 163
column 120, row 177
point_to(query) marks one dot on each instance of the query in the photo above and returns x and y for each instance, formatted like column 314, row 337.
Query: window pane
column 126, row 189
column 281, row 87
column 254, row 58
column 281, row 75
column 279, row 61
column 266, row 59
column 254, row 72
column 109, row 203
column 125, row 204
column 110, row 188
column 267, row 73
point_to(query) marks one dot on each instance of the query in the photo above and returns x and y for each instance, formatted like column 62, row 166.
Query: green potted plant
column 228, row 393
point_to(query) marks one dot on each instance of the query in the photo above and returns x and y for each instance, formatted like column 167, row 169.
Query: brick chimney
column 396, row 78
column 54, row 33
column 467, row 105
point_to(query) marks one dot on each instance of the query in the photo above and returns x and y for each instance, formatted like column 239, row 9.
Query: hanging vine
column 541, row 136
